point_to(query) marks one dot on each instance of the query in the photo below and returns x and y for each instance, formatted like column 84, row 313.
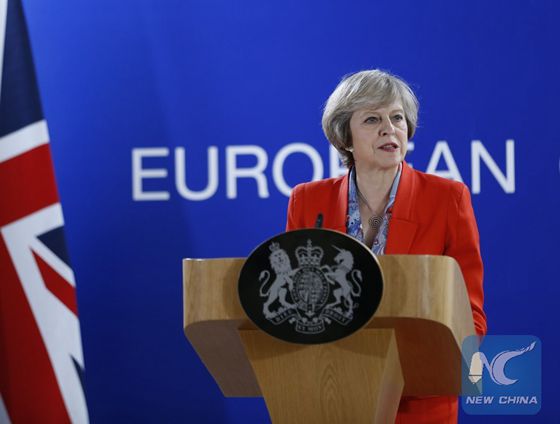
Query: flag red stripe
column 27, row 381
column 57, row 285
column 27, row 184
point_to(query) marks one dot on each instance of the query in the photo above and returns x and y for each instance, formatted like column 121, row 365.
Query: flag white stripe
column 4, row 417
column 23, row 140
column 3, row 13
column 54, row 261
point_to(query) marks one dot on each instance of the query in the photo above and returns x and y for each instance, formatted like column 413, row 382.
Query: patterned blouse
column 354, row 223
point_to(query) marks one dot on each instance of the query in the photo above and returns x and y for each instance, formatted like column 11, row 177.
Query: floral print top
column 354, row 222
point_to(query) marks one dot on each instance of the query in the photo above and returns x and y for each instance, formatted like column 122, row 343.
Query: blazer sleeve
column 295, row 219
column 463, row 244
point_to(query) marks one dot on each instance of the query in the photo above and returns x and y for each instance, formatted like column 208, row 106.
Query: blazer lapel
column 402, row 227
column 341, row 212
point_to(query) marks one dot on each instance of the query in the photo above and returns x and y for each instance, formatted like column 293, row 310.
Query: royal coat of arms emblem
column 301, row 295
column 319, row 285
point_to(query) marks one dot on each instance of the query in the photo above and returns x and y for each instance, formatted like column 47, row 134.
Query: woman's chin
column 388, row 164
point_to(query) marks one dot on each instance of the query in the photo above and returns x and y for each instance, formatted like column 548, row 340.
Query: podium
column 411, row 347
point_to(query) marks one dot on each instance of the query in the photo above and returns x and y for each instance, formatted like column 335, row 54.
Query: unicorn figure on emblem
column 344, row 293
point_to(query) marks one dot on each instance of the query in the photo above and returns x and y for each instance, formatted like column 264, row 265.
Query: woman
column 386, row 204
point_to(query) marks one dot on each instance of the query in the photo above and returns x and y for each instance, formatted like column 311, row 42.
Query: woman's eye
column 398, row 117
column 372, row 119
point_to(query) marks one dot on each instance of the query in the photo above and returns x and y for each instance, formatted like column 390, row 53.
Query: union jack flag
column 41, row 359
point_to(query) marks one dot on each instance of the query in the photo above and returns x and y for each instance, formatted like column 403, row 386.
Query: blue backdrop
column 140, row 93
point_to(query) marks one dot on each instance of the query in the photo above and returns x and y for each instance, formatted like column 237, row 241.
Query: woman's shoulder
column 436, row 184
column 327, row 197
column 320, row 186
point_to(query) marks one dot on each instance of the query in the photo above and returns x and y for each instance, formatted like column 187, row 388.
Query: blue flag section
column 179, row 128
column 20, row 105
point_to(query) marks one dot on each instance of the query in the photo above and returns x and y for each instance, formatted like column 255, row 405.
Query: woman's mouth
column 389, row 147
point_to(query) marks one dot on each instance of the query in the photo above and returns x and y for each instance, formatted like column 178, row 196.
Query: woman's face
column 379, row 136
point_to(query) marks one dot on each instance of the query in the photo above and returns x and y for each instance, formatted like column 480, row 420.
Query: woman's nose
column 386, row 127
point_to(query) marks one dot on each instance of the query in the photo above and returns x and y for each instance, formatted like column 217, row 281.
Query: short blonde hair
column 371, row 88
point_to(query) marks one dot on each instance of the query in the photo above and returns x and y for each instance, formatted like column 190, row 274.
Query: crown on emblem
column 274, row 246
column 309, row 255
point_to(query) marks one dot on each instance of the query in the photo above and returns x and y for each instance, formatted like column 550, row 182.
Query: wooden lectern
column 412, row 345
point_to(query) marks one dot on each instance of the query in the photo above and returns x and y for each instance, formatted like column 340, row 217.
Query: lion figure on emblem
column 280, row 263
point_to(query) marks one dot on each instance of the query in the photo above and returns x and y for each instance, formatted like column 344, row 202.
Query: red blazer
column 432, row 216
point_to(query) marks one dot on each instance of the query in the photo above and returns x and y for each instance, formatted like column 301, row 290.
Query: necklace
column 375, row 220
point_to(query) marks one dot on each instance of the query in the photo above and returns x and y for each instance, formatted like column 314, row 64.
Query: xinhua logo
column 502, row 375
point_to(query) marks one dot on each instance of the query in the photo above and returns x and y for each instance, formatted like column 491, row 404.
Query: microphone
column 319, row 221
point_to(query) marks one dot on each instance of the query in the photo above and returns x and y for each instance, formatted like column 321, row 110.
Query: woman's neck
column 375, row 185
